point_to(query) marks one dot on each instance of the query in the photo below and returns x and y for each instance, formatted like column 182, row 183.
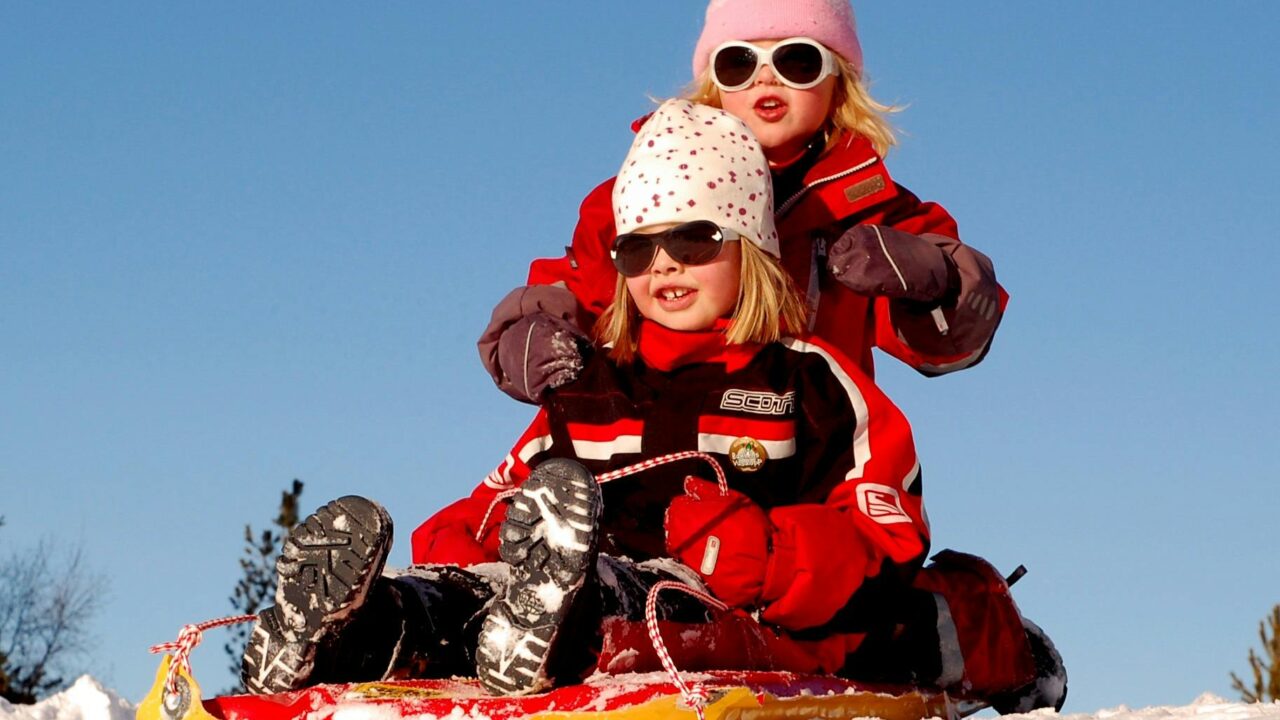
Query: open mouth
column 675, row 298
column 770, row 107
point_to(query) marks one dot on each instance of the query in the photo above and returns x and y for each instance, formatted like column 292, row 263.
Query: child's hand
column 725, row 538
column 534, row 342
column 540, row 352
column 875, row 260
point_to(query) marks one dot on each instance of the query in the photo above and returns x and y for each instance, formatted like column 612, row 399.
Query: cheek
column 639, row 291
column 638, row 288
column 720, row 282
column 811, row 108
column 737, row 105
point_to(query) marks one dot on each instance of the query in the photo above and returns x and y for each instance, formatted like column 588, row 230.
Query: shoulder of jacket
column 848, row 179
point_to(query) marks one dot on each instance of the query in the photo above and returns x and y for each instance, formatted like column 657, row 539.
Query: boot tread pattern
column 272, row 664
column 550, row 540
column 327, row 565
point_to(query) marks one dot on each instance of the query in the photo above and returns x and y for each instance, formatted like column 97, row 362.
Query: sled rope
column 603, row 478
column 188, row 638
column 694, row 697
column 663, row 460
column 484, row 522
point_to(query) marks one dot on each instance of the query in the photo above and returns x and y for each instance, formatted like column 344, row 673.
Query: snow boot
column 324, row 574
column 1049, row 689
column 550, row 540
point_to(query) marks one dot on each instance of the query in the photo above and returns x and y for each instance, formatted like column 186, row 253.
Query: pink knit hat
column 830, row 22
column 695, row 162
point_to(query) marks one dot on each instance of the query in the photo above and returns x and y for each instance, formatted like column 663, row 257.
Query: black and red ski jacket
column 796, row 426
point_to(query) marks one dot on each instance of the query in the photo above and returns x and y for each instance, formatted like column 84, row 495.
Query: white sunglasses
column 799, row 62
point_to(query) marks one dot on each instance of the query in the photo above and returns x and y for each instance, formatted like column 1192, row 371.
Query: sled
column 749, row 695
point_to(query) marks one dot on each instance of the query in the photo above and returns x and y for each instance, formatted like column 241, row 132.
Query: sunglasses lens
column 733, row 66
column 695, row 243
column 799, row 62
column 633, row 253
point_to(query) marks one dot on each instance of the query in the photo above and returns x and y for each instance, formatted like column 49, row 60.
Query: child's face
column 688, row 297
column 782, row 118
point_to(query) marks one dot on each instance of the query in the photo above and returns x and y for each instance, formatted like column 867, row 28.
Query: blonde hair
column 769, row 307
column 853, row 110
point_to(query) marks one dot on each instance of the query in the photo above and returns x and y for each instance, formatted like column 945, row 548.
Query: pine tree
column 1266, row 674
column 256, row 589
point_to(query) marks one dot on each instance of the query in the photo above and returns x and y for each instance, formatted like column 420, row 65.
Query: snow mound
column 86, row 699
column 1205, row 707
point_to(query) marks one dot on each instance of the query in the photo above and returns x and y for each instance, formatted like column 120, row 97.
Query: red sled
column 743, row 695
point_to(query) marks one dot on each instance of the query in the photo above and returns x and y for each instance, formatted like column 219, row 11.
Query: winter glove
column 449, row 536
column 725, row 538
column 534, row 341
column 876, row 260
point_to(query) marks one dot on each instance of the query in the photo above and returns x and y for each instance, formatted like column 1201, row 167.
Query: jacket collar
column 845, row 180
column 665, row 349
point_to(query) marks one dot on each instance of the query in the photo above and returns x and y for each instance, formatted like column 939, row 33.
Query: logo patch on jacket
column 881, row 503
column 863, row 189
column 759, row 402
column 747, row 454
column 767, row 439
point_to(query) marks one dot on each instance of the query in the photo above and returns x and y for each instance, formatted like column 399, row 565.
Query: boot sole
column 271, row 663
column 328, row 564
column 550, row 541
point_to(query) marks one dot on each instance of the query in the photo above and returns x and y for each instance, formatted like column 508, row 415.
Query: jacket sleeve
column 865, row 513
column 465, row 532
column 912, row 333
column 586, row 269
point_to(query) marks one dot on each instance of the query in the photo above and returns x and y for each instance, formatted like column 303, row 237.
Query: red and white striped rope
column 663, row 460
column 615, row 475
column 484, row 522
column 188, row 638
column 695, row 697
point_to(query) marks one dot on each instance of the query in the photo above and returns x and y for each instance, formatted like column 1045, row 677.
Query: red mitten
column 449, row 536
column 725, row 538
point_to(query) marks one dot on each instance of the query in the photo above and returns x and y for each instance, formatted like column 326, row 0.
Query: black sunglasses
column 691, row 243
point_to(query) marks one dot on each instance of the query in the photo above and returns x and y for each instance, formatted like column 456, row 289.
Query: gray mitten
column 534, row 341
column 539, row 352
column 875, row 260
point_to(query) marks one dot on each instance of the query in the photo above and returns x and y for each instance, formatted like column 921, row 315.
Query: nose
column 765, row 76
column 663, row 264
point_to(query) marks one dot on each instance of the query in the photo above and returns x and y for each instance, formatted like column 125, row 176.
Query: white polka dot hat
column 695, row 162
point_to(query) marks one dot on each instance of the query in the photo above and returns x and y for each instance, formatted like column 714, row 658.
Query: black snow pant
column 424, row 621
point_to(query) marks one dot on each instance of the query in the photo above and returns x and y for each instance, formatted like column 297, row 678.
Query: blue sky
column 246, row 243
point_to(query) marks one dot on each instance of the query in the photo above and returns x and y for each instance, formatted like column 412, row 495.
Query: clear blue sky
column 242, row 243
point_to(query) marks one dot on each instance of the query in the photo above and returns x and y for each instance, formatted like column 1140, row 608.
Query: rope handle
column 696, row 696
column 188, row 638
column 612, row 475
column 643, row 465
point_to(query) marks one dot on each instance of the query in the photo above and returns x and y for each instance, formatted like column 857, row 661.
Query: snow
column 87, row 699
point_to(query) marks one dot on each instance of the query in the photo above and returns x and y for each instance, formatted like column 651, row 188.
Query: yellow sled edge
column 742, row 703
column 186, row 705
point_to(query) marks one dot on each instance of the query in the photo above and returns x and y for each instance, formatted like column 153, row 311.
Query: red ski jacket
column 796, row 426
column 847, row 185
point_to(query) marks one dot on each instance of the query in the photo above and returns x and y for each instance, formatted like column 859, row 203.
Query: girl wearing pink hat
column 877, row 267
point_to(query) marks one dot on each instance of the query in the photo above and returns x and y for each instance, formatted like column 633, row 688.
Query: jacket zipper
column 818, row 259
column 791, row 201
